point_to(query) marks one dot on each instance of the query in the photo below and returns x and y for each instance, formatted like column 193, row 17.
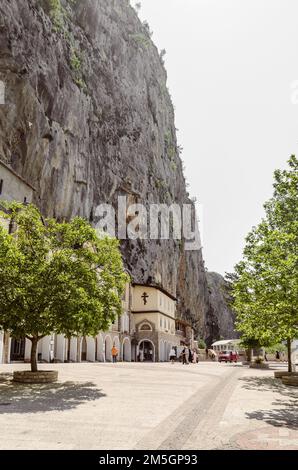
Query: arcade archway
column 146, row 351
column 108, row 349
column 126, row 350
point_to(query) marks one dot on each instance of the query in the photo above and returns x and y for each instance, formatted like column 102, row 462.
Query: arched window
column 145, row 327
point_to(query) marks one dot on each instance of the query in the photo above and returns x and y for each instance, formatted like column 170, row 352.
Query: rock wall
column 223, row 315
column 88, row 117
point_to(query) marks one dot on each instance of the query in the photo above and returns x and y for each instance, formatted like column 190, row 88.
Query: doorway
column 17, row 349
column 146, row 351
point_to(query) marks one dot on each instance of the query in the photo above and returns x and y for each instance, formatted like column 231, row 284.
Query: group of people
column 279, row 356
column 187, row 356
column 142, row 357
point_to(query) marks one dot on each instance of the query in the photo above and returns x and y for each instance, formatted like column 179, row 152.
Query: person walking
column 183, row 355
column 195, row 357
column 114, row 354
column 207, row 353
column 172, row 355
column 277, row 356
column 189, row 356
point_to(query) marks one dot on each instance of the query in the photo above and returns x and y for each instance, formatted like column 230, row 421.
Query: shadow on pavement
column 21, row 398
column 286, row 415
column 268, row 384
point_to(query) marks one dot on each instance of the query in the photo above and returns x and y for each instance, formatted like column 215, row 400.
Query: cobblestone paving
column 149, row 406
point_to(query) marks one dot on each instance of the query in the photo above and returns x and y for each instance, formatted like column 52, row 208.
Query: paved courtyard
column 149, row 406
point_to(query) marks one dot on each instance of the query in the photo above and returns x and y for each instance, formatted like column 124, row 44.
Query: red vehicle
column 227, row 356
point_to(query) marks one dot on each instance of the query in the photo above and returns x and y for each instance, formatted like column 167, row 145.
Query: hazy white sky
column 230, row 65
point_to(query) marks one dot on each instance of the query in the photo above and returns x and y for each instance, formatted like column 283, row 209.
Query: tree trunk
column 289, row 346
column 34, row 343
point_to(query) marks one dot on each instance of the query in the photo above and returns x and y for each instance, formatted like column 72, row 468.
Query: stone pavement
column 149, row 406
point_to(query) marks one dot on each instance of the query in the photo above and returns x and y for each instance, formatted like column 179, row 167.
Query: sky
column 232, row 67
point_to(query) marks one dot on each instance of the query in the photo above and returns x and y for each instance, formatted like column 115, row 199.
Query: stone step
column 263, row 365
column 290, row 380
column 278, row 374
column 42, row 376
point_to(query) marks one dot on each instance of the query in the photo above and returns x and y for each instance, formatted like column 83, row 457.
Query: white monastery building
column 146, row 331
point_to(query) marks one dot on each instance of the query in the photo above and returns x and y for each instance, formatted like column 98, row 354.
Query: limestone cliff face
column 88, row 118
column 219, row 298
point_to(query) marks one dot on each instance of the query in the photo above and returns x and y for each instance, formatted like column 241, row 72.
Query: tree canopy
column 57, row 277
column 265, row 284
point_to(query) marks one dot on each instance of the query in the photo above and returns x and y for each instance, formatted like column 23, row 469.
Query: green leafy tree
column 276, row 347
column 56, row 278
column 201, row 344
column 265, row 285
column 249, row 344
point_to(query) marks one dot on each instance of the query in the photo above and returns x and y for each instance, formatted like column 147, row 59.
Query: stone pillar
column 160, row 351
column 1, row 346
column 90, row 349
column 294, row 353
column 60, row 348
column 6, row 348
column 126, row 350
column 73, row 349
column 27, row 350
column 79, row 349
column 45, row 348
column 104, row 351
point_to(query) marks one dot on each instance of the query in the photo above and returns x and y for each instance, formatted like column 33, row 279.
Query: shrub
column 168, row 138
column 201, row 344
column 147, row 28
column 141, row 40
column 75, row 61
column 259, row 360
column 56, row 14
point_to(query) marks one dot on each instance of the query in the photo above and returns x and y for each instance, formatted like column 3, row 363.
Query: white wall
column 1, row 346
column 60, row 348
column 74, row 350
column 13, row 187
column 90, row 349
column 45, row 348
column 27, row 350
